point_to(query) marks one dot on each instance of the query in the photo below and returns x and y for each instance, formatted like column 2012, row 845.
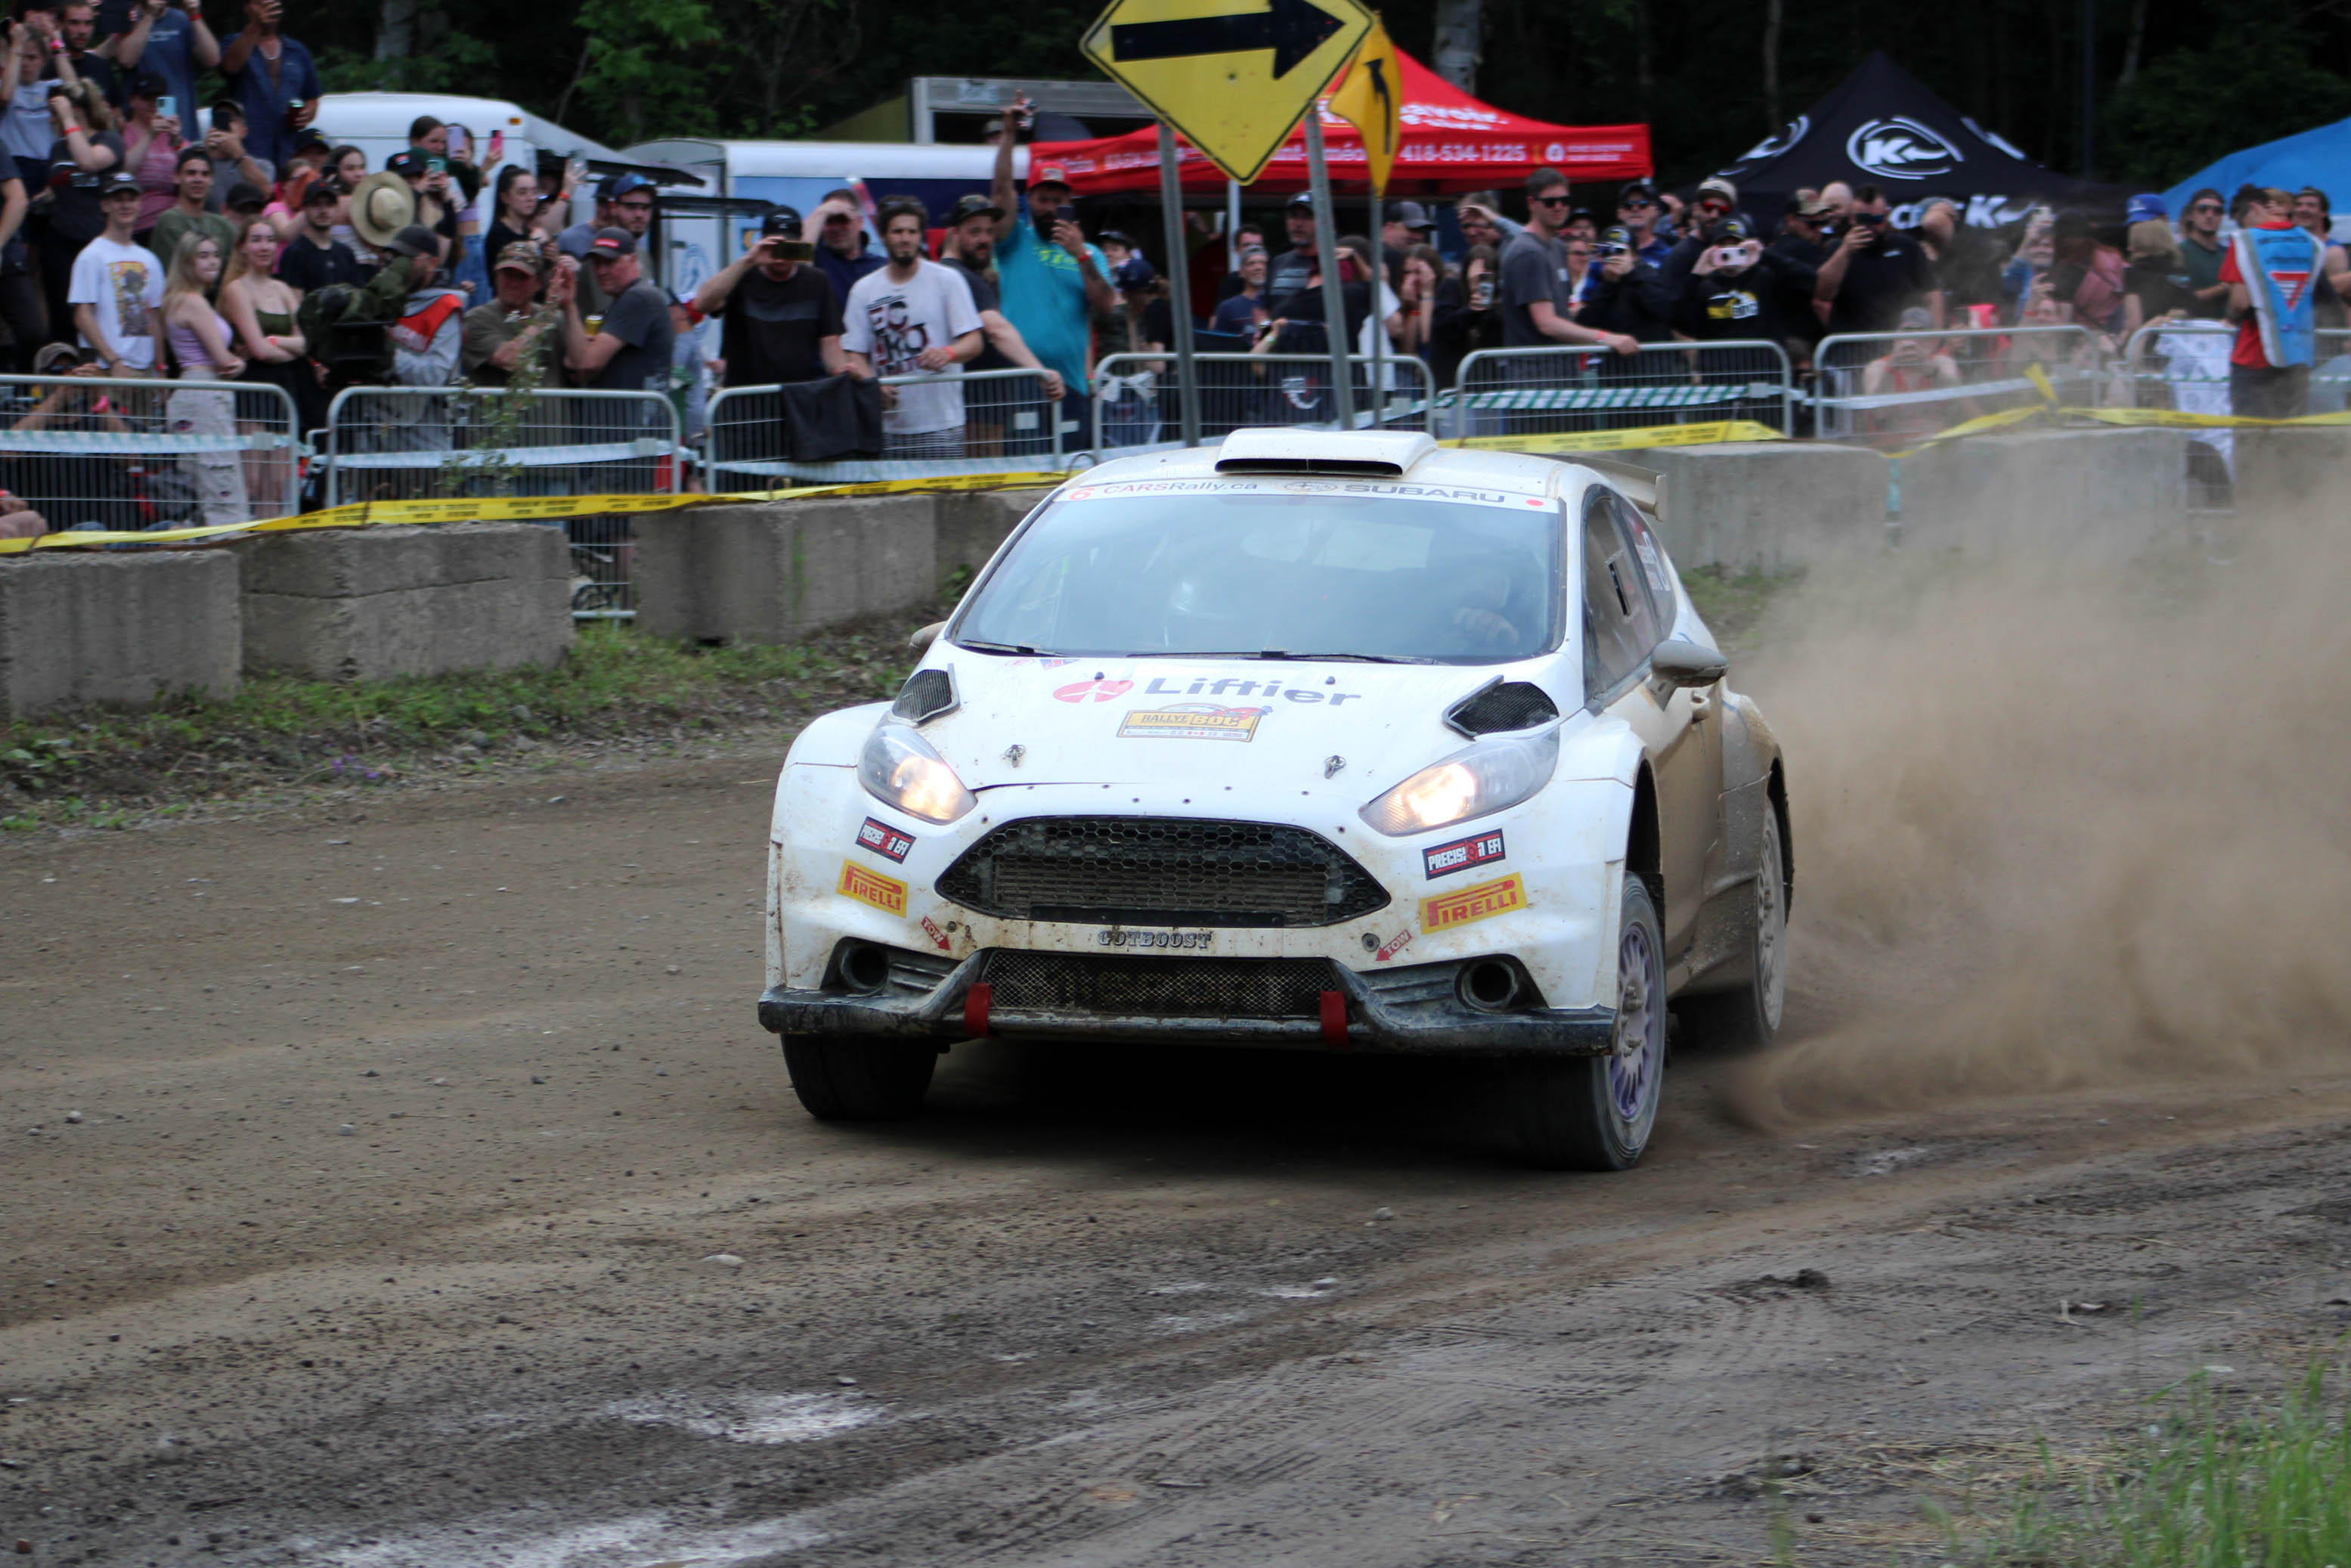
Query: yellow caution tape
column 513, row 508
column 1705, row 435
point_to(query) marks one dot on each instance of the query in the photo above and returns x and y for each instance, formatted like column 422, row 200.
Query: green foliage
column 2195, row 104
column 458, row 62
column 646, row 65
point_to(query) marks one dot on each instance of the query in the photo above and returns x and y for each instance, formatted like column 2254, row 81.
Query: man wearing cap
column 779, row 319
column 841, row 253
column 513, row 333
column 426, row 338
column 972, row 228
column 192, row 184
column 1051, row 280
column 623, row 202
column 1406, row 226
column 914, row 317
column 314, row 257
column 631, row 348
column 1716, row 203
column 117, row 288
column 1295, row 269
column 1638, row 211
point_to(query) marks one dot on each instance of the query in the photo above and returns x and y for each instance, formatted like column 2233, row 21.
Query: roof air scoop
column 1360, row 454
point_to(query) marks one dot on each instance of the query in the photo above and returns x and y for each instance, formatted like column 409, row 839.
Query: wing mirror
column 1680, row 661
column 924, row 636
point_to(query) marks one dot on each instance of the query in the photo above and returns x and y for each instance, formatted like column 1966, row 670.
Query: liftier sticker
column 1461, row 854
column 1193, row 721
column 1444, row 911
column 883, row 893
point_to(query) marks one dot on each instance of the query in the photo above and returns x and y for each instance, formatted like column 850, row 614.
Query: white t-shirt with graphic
column 893, row 322
column 125, row 283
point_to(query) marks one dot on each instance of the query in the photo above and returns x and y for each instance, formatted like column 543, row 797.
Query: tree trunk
column 2138, row 37
column 1459, row 42
column 1773, row 13
column 396, row 32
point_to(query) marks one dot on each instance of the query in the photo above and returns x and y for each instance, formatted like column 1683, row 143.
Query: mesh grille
column 926, row 694
column 1512, row 704
column 1159, row 870
column 1159, row 987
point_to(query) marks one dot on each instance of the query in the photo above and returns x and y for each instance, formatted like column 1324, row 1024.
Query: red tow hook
column 975, row 1003
column 1334, row 1020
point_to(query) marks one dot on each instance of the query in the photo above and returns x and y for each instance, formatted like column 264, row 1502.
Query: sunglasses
column 1552, row 201
column 1715, row 208
column 1635, row 204
column 2205, row 207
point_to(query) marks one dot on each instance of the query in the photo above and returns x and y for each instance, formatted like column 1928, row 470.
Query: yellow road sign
column 1232, row 75
column 1371, row 100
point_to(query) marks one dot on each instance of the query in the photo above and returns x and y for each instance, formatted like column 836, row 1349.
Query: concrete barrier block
column 2099, row 493
column 120, row 629
column 2292, row 472
column 772, row 571
column 972, row 523
column 1769, row 506
column 369, row 603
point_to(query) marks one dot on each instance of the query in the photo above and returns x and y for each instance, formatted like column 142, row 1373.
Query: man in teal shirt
column 1051, row 279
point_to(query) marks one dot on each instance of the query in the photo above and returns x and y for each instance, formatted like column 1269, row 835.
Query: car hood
column 1242, row 726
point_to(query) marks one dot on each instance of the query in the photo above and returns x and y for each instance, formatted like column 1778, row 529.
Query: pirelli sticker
column 1192, row 721
column 1444, row 911
column 887, row 894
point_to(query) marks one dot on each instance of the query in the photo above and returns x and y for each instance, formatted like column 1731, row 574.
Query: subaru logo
column 1901, row 149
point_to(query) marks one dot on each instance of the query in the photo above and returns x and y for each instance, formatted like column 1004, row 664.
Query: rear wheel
column 847, row 1079
column 1748, row 1018
column 1595, row 1113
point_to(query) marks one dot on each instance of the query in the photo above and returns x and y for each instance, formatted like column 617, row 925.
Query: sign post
column 1370, row 100
column 1179, row 286
column 1326, row 247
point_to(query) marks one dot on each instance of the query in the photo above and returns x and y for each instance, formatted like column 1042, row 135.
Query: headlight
column 1471, row 782
column 899, row 768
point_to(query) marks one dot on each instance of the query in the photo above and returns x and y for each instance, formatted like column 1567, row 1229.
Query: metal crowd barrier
column 2184, row 365
column 401, row 443
column 126, row 453
column 1005, row 424
column 1529, row 392
column 1891, row 388
column 1134, row 395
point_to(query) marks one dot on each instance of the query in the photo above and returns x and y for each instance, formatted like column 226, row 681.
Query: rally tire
column 1748, row 1018
column 846, row 1079
column 1597, row 1112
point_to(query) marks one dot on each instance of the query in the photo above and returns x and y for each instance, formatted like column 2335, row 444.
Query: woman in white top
column 200, row 341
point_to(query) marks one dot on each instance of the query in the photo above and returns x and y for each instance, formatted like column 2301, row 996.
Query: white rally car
column 1310, row 741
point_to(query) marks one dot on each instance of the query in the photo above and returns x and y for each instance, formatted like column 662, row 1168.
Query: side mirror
column 1680, row 661
column 924, row 636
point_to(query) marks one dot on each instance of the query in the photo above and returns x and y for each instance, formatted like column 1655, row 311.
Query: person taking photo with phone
column 1051, row 281
column 780, row 320
column 1874, row 273
column 168, row 38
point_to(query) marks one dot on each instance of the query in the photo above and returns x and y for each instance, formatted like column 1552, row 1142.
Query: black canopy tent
column 1881, row 126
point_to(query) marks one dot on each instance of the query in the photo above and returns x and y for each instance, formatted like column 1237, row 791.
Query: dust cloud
column 2063, row 823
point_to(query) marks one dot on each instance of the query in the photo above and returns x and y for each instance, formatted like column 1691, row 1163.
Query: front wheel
column 1748, row 1018
column 1595, row 1113
column 846, row 1079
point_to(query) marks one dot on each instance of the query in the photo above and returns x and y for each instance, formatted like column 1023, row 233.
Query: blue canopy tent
column 2321, row 157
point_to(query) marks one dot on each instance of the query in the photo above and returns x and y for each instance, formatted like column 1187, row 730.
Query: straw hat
column 381, row 206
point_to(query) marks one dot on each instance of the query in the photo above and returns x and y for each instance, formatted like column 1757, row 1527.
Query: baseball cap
column 1616, row 233
column 407, row 162
column 327, row 189
column 1048, row 175
column 1302, row 200
column 1135, row 272
column 414, row 240
column 782, row 222
column 1718, row 186
column 2147, row 205
column 610, row 244
column 1734, row 227
column 308, row 138
column 1583, row 215
column 1639, row 190
column 972, row 205
column 1113, row 237
column 243, row 194
column 1814, row 209
column 1412, row 215
column 45, row 362
column 150, row 85
column 114, row 184
column 1916, row 320
column 519, row 254
column 622, row 184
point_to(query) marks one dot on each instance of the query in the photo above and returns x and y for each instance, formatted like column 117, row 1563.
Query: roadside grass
column 2210, row 1481
column 98, row 766
column 1733, row 602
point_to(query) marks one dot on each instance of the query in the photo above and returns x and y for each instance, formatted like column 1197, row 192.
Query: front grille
column 1159, row 987
column 1161, row 871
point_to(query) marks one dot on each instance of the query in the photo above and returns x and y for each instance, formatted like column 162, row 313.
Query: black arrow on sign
column 1292, row 29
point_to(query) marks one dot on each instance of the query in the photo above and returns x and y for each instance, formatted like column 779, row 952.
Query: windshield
column 1281, row 566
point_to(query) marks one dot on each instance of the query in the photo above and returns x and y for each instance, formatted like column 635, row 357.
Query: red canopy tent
column 1452, row 143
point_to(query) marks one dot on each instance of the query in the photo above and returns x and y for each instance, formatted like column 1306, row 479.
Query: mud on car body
column 1310, row 741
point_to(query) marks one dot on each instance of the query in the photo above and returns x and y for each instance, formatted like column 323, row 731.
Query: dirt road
column 409, row 1184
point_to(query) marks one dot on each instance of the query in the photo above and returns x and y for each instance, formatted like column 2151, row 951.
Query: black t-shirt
column 639, row 319
column 1881, row 281
column 769, row 330
column 497, row 238
column 310, row 267
column 2158, row 288
column 983, row 297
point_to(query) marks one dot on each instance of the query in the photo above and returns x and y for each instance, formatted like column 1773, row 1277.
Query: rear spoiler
column 1645, row 487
